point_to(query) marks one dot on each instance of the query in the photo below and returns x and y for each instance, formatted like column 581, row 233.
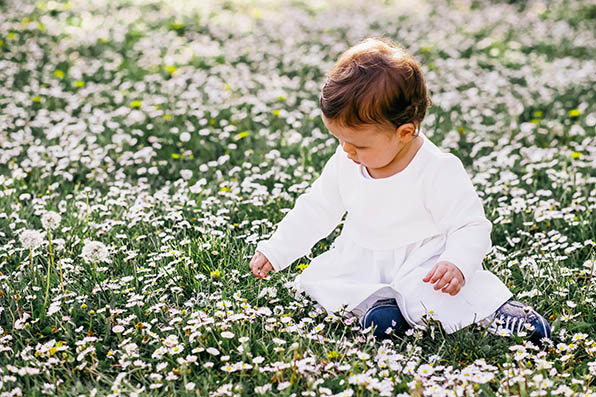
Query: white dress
column 396, row 229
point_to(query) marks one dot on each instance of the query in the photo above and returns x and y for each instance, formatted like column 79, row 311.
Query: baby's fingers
column 254, row 258
column 255, row 268
column 260, row 265
column 453, row 288
column 430, row 274
column 446, row 279
column 257, row 262
column 266, row 269
column 440, row 273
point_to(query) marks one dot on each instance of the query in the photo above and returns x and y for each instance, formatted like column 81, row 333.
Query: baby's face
column 374, row 146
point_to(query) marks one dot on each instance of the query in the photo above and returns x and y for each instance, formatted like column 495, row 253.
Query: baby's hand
column 448, row 276
column 260, row 265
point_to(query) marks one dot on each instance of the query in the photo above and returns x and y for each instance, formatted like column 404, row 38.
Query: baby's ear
column 406, row 131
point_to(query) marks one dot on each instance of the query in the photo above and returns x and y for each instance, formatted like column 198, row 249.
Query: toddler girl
column 415, row 233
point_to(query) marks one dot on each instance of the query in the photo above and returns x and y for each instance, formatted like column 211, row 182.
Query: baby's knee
column 386, row 318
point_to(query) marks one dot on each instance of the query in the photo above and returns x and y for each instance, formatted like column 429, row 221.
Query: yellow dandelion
column 257, row 13
column 241, row 135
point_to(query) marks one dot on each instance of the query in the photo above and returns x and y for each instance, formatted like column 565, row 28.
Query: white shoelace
column 510, row 324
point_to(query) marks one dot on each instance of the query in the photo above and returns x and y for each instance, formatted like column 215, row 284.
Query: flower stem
column 62, row 280
column 50, row 264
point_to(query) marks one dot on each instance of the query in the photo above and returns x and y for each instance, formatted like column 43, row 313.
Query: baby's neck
column 401, row 161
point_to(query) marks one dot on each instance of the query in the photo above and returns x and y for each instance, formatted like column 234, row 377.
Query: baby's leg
column 384, row 314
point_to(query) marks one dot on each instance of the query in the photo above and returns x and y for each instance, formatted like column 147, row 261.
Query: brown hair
column 375, row 82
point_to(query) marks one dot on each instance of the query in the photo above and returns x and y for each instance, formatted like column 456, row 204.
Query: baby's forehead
column 359, row 136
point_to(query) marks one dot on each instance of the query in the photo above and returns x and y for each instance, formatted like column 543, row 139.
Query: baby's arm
column 454, row 204
column 315, row 214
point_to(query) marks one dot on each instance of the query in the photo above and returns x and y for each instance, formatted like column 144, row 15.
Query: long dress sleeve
column 454, row 204
column 315, row 214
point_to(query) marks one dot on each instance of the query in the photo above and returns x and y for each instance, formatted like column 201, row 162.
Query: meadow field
column 147, row 146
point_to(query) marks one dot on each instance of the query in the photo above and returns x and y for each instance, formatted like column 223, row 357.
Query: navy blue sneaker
column 384, row 314
column 514, row 316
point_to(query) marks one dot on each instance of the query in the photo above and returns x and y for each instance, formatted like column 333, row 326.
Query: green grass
column 173, row 306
